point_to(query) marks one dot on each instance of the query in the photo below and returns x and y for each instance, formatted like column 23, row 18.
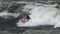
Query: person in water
column 24, row 17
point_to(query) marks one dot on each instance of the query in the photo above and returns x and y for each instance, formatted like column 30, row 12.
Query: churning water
column 42, row 15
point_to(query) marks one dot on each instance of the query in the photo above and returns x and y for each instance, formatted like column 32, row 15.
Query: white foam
column 42, row 15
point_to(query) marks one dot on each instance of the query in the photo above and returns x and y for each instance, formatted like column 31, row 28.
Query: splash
column 43, row 15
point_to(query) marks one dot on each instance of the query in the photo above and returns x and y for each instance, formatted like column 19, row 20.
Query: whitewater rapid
column 43, row 15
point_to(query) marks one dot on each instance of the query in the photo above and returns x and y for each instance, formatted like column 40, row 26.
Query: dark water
column 31, row 30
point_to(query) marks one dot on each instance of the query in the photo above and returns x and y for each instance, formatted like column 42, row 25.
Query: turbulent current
column 42, row 15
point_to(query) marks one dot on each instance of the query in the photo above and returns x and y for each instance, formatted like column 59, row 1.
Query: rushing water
column 42, row 14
